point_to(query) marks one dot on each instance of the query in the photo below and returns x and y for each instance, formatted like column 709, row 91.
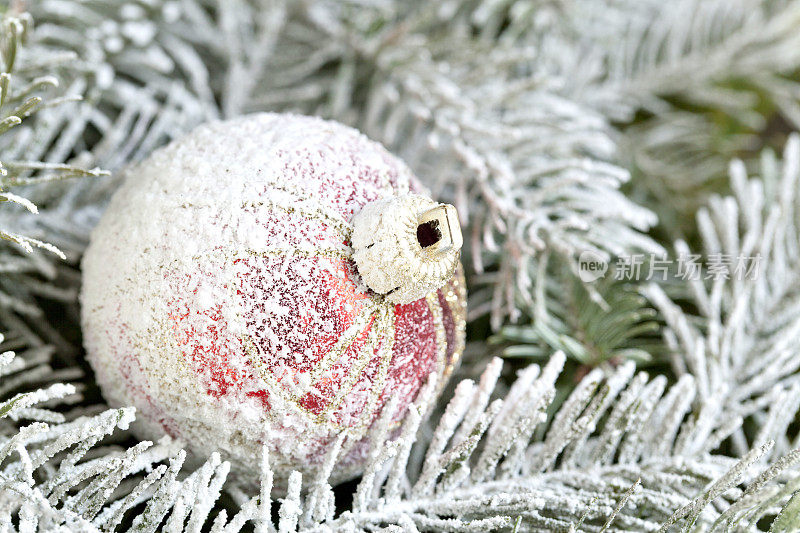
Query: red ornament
column 223, row 299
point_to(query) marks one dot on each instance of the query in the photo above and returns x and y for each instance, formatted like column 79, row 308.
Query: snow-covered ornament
column 273, row 281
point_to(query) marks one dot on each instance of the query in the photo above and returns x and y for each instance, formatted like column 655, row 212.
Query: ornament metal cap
column 406, row 246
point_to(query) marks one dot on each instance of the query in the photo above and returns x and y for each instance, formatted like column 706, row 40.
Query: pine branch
column 620, row 327
column 710, row 80
column 500, row 475
column 25, row 91
column 740, row 345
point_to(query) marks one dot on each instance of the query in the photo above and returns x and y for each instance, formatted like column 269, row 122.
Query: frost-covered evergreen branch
column 613, row 458
column 710, row 80
column 741, row 345
column 27, row 91
column 621, row 327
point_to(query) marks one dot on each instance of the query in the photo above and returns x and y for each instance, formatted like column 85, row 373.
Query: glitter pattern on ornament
column 221, row 299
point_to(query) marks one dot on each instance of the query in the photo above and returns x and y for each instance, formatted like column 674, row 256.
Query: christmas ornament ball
column 226, row 293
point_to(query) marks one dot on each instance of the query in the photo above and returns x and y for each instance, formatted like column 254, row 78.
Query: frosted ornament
column 222, row 298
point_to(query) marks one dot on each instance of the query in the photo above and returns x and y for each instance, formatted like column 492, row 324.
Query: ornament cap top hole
column 428, row 233
column 443, row 220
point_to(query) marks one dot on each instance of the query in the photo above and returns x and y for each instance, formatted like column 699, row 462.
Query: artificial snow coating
column 221, row 299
